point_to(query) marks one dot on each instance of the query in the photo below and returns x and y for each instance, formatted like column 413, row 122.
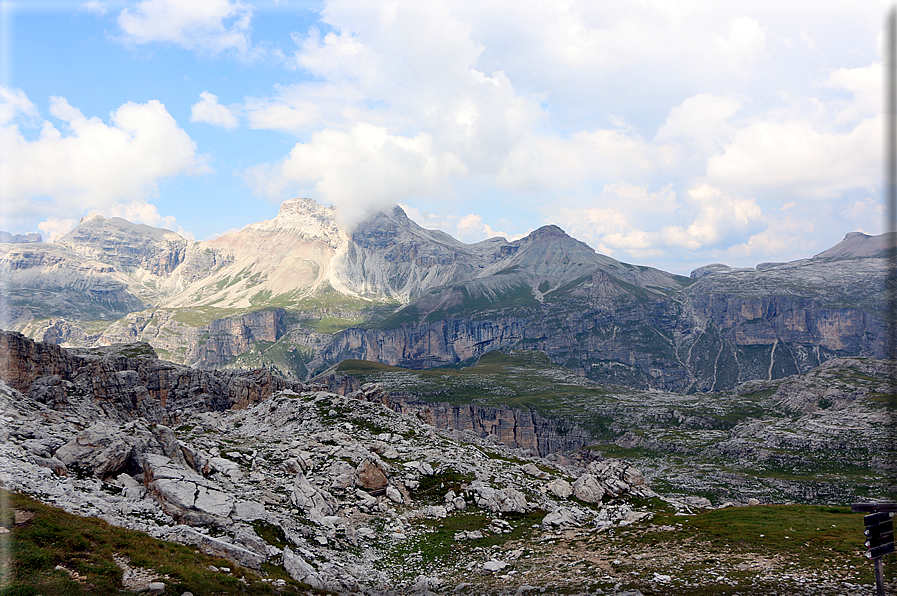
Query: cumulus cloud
column 539, row 163
column 87, row 164
column 627, row 220
column 471, row 228
column 795, row 158
column 551, row 102
column 54, row 228
column 208, row 110
column 15, row 105
column 360, row 170
column 700, row 124
column 719, row 220
column 207, row 25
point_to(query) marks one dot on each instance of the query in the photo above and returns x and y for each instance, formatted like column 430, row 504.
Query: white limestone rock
column 586, row 488
column 560, row 488
column 560, row 516
column 300, row 570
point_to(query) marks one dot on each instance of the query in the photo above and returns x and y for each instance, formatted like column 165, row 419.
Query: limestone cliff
column 515, row 427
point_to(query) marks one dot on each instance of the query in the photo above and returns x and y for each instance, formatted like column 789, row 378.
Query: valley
column 387, row 410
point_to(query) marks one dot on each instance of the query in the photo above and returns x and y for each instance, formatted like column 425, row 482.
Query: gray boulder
column 300, row 570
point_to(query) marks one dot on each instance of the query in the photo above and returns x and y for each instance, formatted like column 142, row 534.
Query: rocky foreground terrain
column 345, row 494
column 826, row 436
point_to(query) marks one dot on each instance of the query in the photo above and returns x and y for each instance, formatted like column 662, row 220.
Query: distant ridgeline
column 298, row 293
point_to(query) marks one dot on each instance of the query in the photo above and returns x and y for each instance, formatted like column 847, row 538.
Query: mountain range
column 298, row 293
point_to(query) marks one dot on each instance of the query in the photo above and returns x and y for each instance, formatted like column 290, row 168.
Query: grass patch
column 52, row 538
column 435, row 548
column 811, row 534
column 433, row 488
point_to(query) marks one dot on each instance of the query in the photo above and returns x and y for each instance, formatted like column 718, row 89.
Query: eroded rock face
column 128, row 381
column 517, row 428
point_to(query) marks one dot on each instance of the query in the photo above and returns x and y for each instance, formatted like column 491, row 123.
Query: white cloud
column 208, row 110
column 15, row 105
column 629, row 220
column 471, row 228
column 426, row 219
column 720, row 220
column 208, row 25
column 290, row 112
column 145, row 213
column 700, row 123
column 87, row 164
column 54, row 228
column 335, row 56
column 546, row 101
column 99, row 7
column 865, row 85
column 360, row 170
column 543, row 164
column 794, row 158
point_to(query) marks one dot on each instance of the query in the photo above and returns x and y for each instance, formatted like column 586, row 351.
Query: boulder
column 310, row 497
column 560, row 488
column 371, row 474
column 561, row 516
column 300, row 570
column 101, row 448
column 215, row 546
column 504, row 500
column 393, row 494
column 586, row 488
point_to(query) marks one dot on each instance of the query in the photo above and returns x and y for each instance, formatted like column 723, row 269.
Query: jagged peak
column 301, row 206
column 91, row 217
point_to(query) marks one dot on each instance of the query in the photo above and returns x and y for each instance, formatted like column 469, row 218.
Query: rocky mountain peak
column 7, row 238
column 305, row 218
column 549, row 231
column 858, row 244
column 125, row 245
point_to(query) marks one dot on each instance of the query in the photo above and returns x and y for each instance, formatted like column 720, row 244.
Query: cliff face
column 205, row 346
column 516, row 428
column 127, row 246
column 714, row 342
column 128, row 381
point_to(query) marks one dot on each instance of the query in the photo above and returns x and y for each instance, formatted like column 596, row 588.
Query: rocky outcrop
column 127, row 246
column 6, row 237
column 128, row 381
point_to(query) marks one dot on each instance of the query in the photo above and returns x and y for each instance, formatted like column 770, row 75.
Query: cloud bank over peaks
column 362, row 170
column 80, row 164
column 630, row 219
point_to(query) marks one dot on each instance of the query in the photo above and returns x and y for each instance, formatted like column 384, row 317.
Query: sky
column 670, row 133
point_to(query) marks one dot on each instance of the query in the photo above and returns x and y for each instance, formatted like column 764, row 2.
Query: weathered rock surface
column 304, row 461
column 128, row 381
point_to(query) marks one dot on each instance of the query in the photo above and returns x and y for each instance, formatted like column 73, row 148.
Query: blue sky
column 669, row 133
